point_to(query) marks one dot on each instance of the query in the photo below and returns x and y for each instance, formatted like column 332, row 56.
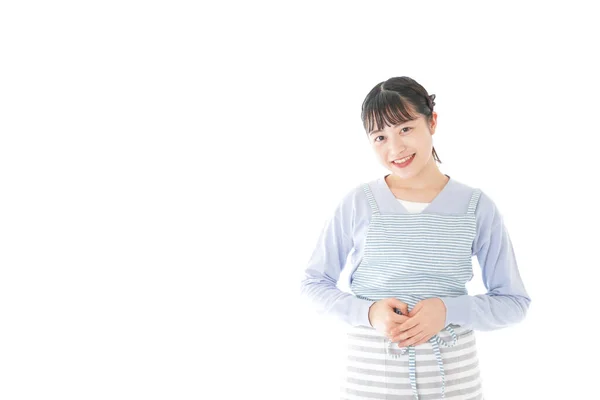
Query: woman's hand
column 383, row 317
column 426, row 319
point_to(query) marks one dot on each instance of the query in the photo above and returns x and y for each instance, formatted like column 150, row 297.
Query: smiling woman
column 414, row 260
column 400, row 105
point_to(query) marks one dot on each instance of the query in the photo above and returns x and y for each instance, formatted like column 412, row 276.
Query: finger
column 407, row 324
column 415, row 310
column 393, row 322
column 395, row 303
column 416, row 331
column 397, row 319
column 402, row 332
column 424, row 338
column 413, row 340
column 395, row 325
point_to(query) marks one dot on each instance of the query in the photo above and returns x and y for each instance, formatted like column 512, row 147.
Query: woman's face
column 412, row 138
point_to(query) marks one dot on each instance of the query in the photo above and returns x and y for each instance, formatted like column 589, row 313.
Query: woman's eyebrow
column 379, row 130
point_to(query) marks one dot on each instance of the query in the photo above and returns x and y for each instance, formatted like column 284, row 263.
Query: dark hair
column 396, row 101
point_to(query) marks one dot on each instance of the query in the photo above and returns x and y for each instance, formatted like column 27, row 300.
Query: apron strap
column 371, row 198
column 435, row 341
column 474, row 201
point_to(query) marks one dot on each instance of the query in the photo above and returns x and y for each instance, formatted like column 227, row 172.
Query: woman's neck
column 429, row 177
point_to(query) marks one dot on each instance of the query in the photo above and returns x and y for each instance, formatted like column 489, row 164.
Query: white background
column 166, row 168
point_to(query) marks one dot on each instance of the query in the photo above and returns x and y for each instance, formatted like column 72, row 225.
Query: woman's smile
column 403, row 163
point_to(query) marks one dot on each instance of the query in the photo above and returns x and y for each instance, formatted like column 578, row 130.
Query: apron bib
column 413, row 257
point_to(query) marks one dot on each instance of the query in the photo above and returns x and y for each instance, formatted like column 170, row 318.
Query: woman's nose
column 397, row 146
column 396, row 141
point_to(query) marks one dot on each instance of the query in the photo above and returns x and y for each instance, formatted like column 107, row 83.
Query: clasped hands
column 416, row 327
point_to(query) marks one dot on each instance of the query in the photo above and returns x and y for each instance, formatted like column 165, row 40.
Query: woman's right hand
column 383, row 318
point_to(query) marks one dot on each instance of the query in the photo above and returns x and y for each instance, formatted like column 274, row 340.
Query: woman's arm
column 506, row 301
column 327, row 262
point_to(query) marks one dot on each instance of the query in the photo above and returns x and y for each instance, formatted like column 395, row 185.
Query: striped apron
column 413, row 257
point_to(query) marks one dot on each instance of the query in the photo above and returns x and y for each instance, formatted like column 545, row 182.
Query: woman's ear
column 433, row 122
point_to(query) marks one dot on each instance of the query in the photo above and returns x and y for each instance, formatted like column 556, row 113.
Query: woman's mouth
column 404, row 162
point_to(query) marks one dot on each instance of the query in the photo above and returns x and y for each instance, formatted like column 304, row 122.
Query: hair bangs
column 386, row 108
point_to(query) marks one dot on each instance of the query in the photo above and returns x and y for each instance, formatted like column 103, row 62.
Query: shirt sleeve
column 319, row 284
column 506, row 301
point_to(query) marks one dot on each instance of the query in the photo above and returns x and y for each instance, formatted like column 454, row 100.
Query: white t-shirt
column 413, row 206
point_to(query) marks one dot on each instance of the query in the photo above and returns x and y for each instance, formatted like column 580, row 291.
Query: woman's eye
column 404, row 131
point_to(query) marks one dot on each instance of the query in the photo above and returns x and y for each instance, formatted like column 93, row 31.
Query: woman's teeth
column 403, row 160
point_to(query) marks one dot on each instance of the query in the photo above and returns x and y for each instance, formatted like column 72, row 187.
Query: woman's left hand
column 426, row 319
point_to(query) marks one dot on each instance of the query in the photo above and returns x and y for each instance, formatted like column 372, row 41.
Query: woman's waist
column 465, row 338
column 406, row 296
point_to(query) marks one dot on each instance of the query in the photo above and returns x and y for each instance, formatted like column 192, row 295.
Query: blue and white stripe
column 413, row 257
column 372, row 374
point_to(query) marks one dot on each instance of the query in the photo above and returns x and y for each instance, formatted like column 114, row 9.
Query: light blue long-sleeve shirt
column 342, row 239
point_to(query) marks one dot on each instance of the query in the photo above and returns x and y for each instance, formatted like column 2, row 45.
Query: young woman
column 411, row 235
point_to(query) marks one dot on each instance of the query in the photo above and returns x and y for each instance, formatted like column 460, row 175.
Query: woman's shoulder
column 356, row 195
column 354, row 202
column 485, row 204
column 463, row 188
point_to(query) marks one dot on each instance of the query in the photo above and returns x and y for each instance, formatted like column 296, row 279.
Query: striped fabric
column 372, row 374
column 413, row 257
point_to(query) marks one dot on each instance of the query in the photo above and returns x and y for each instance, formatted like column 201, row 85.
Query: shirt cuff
column 360, row 315
column 458, row 310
